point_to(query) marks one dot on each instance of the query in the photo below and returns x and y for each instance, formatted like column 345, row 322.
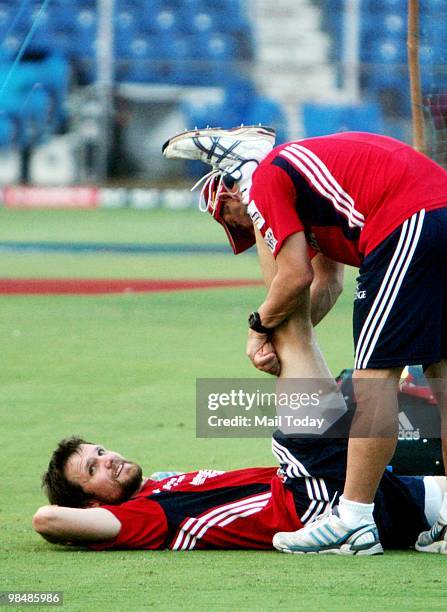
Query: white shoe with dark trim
column 434, row 540
column 329, row 535
column 225, row 150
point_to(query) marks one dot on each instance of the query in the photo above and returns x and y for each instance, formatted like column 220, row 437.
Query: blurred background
column 90, row 89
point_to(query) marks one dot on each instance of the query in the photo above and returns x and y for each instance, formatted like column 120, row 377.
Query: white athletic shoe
column 225, row 150
column 329, row 535
column 434, row 540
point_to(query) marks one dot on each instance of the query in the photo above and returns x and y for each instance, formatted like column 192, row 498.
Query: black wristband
column 254, row 323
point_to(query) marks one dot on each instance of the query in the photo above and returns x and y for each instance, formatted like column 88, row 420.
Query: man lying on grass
column 102, row 500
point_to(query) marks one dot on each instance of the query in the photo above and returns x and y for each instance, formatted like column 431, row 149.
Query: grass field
column 121, row 370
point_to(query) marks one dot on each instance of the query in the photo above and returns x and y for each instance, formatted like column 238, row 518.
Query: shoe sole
column 439, row 547
column 245, row 132
column 345, row 550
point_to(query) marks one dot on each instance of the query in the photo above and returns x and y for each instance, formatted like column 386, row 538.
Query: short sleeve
column 272, row 206
column 143, row 525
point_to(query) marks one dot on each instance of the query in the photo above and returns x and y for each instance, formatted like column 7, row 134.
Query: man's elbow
column 301, row 282
column 330, row 287
column 336, row 288
column 43, row 520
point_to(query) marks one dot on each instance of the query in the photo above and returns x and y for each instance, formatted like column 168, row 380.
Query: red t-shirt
column 346, row 191
column 206, row 509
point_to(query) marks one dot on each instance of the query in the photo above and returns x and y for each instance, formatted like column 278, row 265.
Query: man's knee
column 375, row 392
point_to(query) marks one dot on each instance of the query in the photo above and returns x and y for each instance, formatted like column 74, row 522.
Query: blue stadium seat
column 142, row 62
column 164, row 22
column 219, row 47
column 216, row 54
column 270, row 113
column 85, row 22
column 239, row 93
column 63, row 18
column 321, row 119
column 125, row 22
column 390, row 65
column 10, row 45
column 45, row 16
column 394, row 25
column 6, row 18
column 183, row 62
column 201, row 22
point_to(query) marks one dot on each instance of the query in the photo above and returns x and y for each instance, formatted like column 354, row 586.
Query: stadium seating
column 179, row 34
column 383, row 48
column 179, row 42
column 321, row 119
column 137, row 60
column 218, row 30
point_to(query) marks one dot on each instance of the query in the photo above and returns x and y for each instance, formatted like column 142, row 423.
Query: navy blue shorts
column 400, row 308
column 315, row 469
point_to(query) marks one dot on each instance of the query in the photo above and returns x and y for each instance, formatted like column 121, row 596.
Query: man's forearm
column 282, row 299
column 59, row 524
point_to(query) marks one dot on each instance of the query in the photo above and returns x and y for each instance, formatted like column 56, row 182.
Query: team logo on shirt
column 270, row 239
column 255, row 215
column 202, row 475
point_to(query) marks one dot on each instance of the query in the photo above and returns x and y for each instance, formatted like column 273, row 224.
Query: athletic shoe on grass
column 434, row 540
column 329, row 535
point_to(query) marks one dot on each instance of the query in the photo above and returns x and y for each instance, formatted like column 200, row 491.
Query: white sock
column 354, row 514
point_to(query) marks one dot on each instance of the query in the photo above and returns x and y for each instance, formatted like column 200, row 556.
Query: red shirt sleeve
column 143, row 525
column 272, row 197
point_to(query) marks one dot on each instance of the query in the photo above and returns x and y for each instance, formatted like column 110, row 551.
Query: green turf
column 121, row 370
column 121, row 225
column 38, row 265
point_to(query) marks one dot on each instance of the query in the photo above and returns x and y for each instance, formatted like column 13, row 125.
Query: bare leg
column 437, row 377
column 373, row 436
column 294, row 340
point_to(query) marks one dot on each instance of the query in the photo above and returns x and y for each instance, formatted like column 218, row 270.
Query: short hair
column 57, row 487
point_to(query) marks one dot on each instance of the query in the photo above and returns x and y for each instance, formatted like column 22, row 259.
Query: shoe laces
column 324, row 515
column 210, row 191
